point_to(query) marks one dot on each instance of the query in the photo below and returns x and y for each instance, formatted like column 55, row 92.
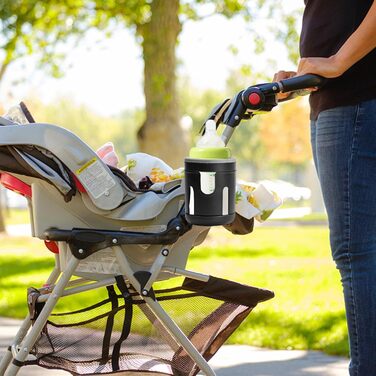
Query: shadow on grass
column 14, row 266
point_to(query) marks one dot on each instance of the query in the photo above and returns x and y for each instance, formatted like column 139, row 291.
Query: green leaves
column 32, row 26
column 36, row 27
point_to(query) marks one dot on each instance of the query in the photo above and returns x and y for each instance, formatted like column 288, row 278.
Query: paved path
column 229, row 361
column 19, row 230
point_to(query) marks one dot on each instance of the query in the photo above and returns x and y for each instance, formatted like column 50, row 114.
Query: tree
column 158, row 24
column 285, row 135
column 36, row 27
column 161, row 133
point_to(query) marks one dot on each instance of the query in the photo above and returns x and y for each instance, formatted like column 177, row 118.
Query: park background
column 145, row 75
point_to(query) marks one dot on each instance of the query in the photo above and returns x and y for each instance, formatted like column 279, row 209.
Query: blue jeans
column 344, row 149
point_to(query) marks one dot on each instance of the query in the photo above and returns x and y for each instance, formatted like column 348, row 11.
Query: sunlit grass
column 307, row 312
column 17, row 216
column 312, row 218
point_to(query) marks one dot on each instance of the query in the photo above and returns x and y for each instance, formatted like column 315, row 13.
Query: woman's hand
column 329, row 67
column 282, row 75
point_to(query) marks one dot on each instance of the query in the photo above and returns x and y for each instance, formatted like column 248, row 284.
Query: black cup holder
column 210, row 186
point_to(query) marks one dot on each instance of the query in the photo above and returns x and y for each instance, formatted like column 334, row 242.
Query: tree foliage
column 197, row 103
column 158, row 24
column 35, row 27
column 285, row 134
column 92, row 128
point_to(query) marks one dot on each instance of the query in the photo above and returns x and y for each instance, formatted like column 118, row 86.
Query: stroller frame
column 111, row 219
column 23, row 342
column 178, row 234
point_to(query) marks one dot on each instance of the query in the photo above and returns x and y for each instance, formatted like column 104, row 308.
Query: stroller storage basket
column 121, row 334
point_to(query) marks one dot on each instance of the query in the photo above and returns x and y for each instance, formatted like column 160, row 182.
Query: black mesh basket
column 121, row 334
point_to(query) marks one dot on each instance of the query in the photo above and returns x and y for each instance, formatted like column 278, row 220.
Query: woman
column 338, row 41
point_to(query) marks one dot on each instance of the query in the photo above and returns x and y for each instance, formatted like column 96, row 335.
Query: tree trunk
column 3, row 68
column 161, row 134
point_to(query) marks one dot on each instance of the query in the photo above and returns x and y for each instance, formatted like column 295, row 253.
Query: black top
column 326, row 26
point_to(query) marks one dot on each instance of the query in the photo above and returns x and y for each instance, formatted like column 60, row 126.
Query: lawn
column 313, row 218
column 294, row 262
column 17, row 216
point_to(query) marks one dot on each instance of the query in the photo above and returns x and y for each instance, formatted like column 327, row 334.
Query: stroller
column 110, row 237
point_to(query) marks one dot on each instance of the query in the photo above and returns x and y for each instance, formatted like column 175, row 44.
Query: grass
column 294, row 262
column 307, row 312
column 312, row 218
column 17, row 216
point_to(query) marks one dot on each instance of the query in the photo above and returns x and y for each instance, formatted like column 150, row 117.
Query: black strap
column 110, row 324
column 128, row 313
column 35, row 307
column 27, row 113
column 18, row 363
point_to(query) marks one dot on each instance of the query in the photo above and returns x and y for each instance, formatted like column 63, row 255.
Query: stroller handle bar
column 258, row 99
column 302, row 82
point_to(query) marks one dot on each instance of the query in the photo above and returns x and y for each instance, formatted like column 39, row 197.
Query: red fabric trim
column 16, row 185
column 79, row 186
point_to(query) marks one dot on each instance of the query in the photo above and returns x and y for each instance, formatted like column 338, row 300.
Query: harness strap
column 34, row 306
column 110, row 323
column 17, row 363
column 128, row 313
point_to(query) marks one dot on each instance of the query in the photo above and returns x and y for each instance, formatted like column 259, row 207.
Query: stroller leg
column 40, row 322
column 162, row 316
column 22, row 331
column 180, row 337
column 175, row 345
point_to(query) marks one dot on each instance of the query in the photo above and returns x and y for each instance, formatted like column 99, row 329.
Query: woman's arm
column 358, row 45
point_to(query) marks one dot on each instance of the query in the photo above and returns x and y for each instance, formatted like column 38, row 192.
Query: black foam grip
column 302, row 82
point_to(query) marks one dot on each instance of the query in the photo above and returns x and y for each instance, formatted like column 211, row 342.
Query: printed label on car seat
column 95, row 178
column 103, row 262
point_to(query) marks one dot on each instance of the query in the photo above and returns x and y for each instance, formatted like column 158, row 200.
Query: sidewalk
column 231, row 360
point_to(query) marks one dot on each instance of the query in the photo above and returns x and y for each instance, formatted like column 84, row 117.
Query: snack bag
column 268, row 202
column 243, row 205
column 140, row 165
column 256, row 201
